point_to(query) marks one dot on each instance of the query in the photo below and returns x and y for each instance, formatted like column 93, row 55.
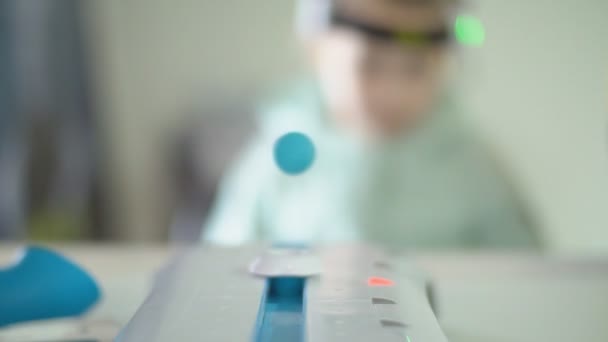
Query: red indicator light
column 378, row 281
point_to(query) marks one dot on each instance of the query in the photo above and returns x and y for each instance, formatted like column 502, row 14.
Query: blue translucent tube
column 281, row 316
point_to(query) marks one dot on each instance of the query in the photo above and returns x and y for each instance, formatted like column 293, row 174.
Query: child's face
column 376, row 87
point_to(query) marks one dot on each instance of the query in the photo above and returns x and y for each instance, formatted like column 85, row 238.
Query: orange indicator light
column 378, row 282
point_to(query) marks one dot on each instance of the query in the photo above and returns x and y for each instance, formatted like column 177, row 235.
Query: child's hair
column 314, row 16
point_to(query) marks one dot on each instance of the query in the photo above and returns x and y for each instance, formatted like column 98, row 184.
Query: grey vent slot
column 379, row 301
column 386, row 323
column 383, row 265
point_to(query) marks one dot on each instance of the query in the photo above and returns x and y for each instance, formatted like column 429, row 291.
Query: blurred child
column 395, row 164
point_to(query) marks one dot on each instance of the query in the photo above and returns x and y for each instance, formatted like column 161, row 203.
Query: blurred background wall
column 539, row 90
column 176, row 81
column 160, row 62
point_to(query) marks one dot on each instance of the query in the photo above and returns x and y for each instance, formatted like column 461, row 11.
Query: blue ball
column 294, row 153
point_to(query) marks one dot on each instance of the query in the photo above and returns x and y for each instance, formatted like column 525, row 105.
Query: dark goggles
column 430, row 38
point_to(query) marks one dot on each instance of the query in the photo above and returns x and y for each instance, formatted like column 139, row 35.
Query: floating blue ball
column 294, row 153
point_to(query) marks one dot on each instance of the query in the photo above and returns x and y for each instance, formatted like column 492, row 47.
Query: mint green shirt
column 434, row 188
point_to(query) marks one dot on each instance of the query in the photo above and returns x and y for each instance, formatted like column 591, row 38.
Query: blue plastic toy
column 294, row 153
column 44, row 285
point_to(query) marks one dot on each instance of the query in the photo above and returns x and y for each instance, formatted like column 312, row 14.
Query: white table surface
column 482, row 297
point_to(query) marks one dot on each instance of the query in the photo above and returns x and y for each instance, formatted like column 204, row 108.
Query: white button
column 285, row 263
